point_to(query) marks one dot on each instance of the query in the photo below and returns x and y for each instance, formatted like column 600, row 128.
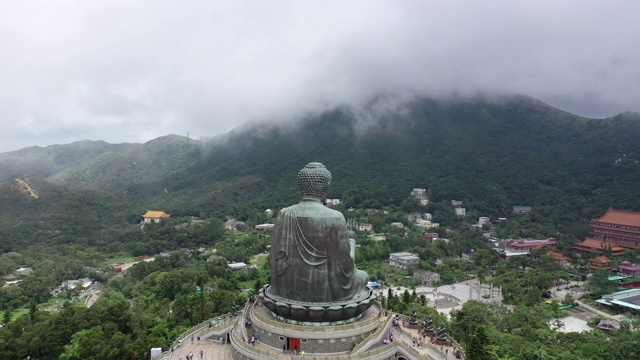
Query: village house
column 466, row 254
column 154, row 216
column 333, row 202
column 233, row 224
column 403, row 260
column 426, row 278
column 628, row 269
column 420, row 193
column 82, row 284
column 427, row 216
column 424, row 202
column 397, row 224
column 456, row 203
column 460, row 211
column 426, row 224
column 521, row 209
column 414, row 216
column 237, row 266
column 608, row 325
column 268, row 212
column 371, row 211
column 23, row 271
column 431, row 237
column 264, row 227
column 365, row 227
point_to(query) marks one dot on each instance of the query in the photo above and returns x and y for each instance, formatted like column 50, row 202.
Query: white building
column 238, row 266
column 403, row 260
column 460, row 211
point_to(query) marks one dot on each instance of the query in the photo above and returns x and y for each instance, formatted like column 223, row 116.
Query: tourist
column 201, row 353
column 284, row 349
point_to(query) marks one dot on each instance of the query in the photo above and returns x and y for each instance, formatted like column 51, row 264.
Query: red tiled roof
column 620, row 217
column 600, row 259
column 625, row 265
column 532, row 243
column 599, row 244
column 556, row 256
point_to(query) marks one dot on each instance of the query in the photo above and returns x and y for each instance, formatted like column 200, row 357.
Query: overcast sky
column 130, row 71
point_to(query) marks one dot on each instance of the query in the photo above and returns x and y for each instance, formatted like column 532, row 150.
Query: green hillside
column 490, row 154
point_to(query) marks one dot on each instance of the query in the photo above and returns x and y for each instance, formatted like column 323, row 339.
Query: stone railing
column 216, row 322
column 377, row 336
column 433, row 350
column 259, row 353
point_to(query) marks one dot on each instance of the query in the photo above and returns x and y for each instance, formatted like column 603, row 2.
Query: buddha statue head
column 313, row 181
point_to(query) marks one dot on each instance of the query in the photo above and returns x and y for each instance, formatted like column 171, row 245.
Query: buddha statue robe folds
column 311, row 252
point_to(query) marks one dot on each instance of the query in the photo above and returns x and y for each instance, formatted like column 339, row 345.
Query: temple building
column 154, row 216
column 590, row 245
column 626, row 268
column 599, row 263
column 527, row 246
column 619, row 227
column 612, row 233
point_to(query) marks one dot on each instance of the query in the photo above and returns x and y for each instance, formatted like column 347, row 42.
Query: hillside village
column 430, row 255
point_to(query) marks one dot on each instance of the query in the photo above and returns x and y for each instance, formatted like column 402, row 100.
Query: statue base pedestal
column 333, row 341
column 307, row 313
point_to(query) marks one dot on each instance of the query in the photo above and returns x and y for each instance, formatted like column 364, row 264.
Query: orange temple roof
column 620, row 217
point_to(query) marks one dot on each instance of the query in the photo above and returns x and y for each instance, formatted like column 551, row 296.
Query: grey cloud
column 124, row 71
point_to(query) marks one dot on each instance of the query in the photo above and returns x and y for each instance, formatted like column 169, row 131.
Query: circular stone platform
column 324, row 313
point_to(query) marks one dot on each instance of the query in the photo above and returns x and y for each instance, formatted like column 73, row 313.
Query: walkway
column 212, row 350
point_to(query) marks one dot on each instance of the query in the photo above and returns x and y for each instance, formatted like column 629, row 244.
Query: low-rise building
column 233, row 224
column 238, row 266
column 333, row 202
column 521, row 209
column 460, row 211
column 365, row 227
column 628, row 269
column 23, row 271
column 420, row 193
column 526, row 246
column 403, row 260
column 466, row 254
column 414, row 216
column 456, row 203
column 427, row 224
column 431, row 237
column 264, row 227
column 426, row 277
column 154, row 216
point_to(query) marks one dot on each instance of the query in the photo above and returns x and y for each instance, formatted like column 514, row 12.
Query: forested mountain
column 490, row 153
